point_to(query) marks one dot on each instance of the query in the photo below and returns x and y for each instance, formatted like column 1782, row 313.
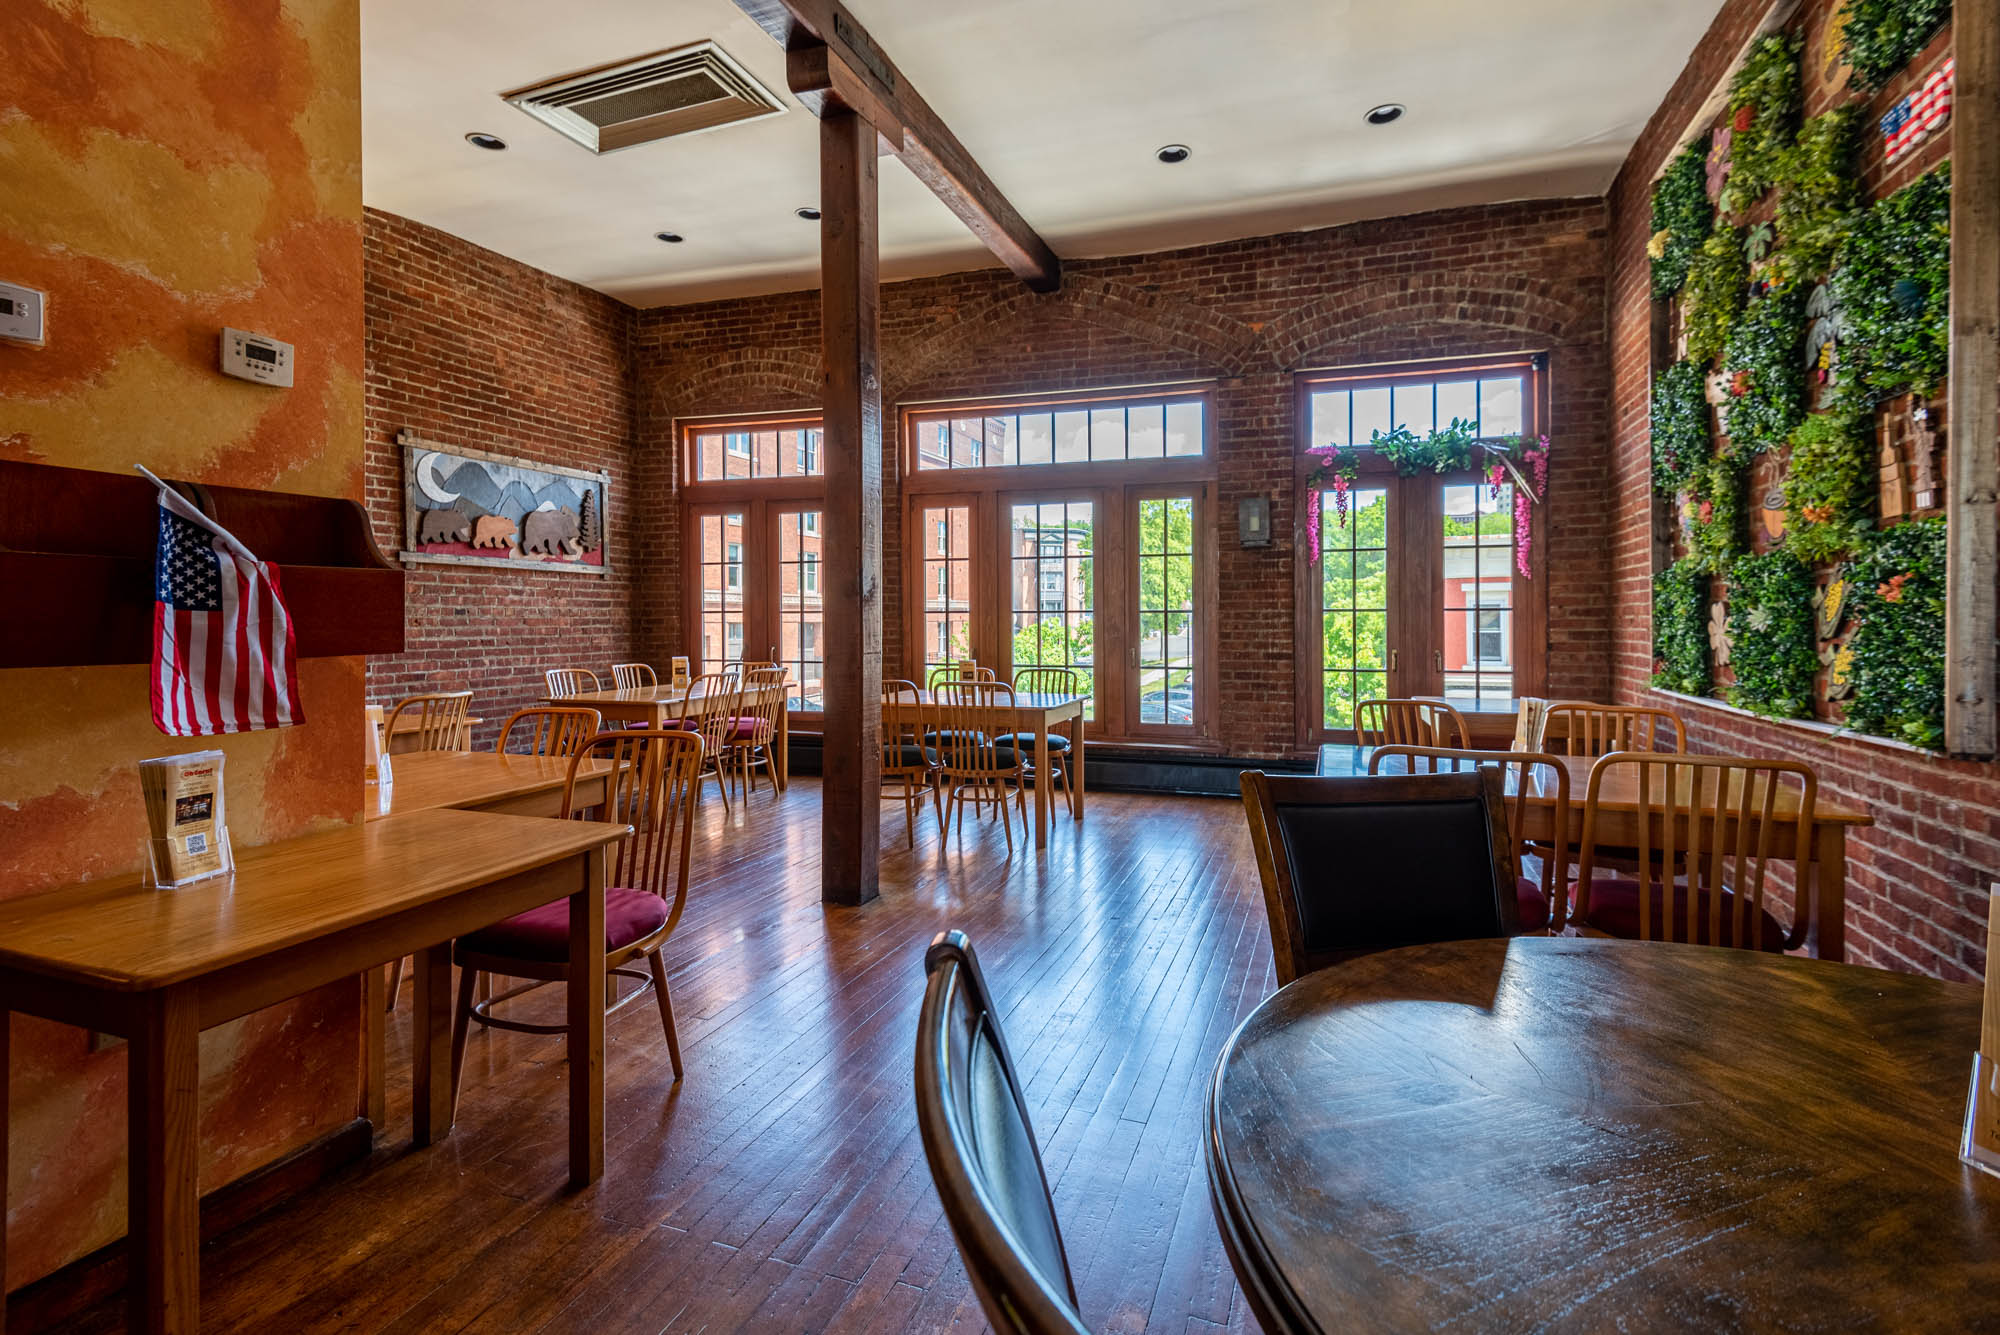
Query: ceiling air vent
column 636, row 101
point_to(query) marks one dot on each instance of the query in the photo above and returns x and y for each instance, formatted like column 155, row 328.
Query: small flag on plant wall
column 223, row 652
column 1921, row 114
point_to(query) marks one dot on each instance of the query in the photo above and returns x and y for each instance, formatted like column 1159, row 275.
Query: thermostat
column 20, row 313
column 255, row 357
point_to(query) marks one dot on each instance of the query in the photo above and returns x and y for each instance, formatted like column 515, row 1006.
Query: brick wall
column 1506, row 278
column 1917, row 880
column 466, row 347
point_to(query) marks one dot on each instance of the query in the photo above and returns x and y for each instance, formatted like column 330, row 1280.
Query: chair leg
column 1006, row 822
column 666, row 1009
column 395, row 982
column 461, row 1025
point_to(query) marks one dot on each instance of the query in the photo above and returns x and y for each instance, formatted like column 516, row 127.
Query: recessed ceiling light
column 1173, row 153
column 492, row 142
column 1384, row 114
column 809, row 214
column 671, row 238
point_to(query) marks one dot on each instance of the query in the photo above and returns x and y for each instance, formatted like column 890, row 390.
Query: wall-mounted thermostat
column 20, row 313
column 255, row 357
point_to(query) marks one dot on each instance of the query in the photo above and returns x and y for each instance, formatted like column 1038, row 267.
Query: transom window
column 1158, row 427
column 742, row 453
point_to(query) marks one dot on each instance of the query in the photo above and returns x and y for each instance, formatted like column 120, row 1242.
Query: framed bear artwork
column 468, row 507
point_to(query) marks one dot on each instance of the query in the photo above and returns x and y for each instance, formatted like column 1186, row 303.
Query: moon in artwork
column 427, row 481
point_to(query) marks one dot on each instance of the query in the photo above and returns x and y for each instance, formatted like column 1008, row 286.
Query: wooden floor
column 782, row 1185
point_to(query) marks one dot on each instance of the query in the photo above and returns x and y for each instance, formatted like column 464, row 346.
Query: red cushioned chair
column 1533, row 779
column 1704, row 831
column 652, row 789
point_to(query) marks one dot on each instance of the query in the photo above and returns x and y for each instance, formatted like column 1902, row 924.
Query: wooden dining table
column 1618, row 815
column 490, row 781
column 157, row 967
column 1560, row 1134
column 1040, row 714
column 404, row 733
column 656, row 706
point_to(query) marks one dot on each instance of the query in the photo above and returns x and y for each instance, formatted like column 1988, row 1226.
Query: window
column 809, row 569
column 808, row 451
column 735, row 565
column 1415, row 591
column 800, row 611
column 812, row 521
column 719, row 585
column 738, row 442
column 1070, row 532
column 752, row 451
column 1161, row 427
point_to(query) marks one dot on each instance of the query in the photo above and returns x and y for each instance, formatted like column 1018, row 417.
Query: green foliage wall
column 1893, row 282
column 1882, row 36
column 1682, row 217
column 1682, row 435
column 1771, row 631
column 1765, row 359
column 1680, row 628
column 1898, row 646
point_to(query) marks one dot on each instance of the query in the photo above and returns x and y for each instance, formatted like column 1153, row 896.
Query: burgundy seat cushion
column 1533, row 905
column 543, row 933
column 1614, row 910
column 742, row 729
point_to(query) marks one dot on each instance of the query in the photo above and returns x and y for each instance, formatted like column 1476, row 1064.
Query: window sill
column 1830, row 731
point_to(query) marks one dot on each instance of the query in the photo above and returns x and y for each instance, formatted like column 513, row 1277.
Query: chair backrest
column 710, row 708
column 551, row 730
column 984, row 1159
column 1705, row 825
column 1531, row 777
column 954, row 672
column 1048, row 681
column 633, row 676
column 652, row 789
column 1586, row 729
column 1409, row 723
column 565, row 682
column 1356, row 865
column 764, row 692
column 968, row 731
column 903, row 732
column 439, row 720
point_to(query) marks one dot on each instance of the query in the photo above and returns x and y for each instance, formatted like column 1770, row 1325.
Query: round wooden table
column 1550, row 1133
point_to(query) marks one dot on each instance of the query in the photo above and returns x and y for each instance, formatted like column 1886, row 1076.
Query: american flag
column 1922, row 113
column 223, row 655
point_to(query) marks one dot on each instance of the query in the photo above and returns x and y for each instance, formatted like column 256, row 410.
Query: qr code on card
column 197, row 843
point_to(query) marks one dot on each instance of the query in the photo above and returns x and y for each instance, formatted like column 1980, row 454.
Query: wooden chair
column 969, row 761
column 565, row 682
column 1410, row 723
column 1046, row 681
column 1541, row 902
column 710, row 711
column 751, row 740
column 951, row 672
column 652, row 790
column 1716, row 823
column 983, row 1157
column 1596, row 730
column 633, row 676
column 1357, row 865
column 440, row 721
column 907, row 760
column 552, row 730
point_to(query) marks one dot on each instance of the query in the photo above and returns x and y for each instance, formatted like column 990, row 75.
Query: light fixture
column 1174, row 153
column 671, row 238
column 491, row 142
column 809, row 213
column 1386, row 113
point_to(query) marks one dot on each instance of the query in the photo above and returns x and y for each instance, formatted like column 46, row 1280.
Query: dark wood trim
column 851, row 578
column 89, row 1280
column 1971, row 616
column 833, row 64
column 1088, row 473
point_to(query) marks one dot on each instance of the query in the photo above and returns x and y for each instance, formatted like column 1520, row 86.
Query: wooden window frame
column 1416, row 537
column 1114, row 487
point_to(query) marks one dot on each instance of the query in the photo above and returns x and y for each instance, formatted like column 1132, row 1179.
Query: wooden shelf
column 76, row 566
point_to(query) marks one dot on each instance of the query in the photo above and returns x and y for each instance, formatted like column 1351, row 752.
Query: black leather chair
column 1353, row 866
column 983, row 1155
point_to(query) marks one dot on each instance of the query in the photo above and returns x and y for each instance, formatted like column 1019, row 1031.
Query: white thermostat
column 255, row 357
column 20, row 313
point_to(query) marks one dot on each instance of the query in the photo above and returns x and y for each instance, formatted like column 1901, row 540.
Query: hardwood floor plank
column 781, row 1187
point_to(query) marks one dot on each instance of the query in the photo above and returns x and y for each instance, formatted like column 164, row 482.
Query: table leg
column 1826, row 936
column 163, row 1214
column 1076, row 764
column 1041, row 785
column 374, row 1102
column 430, row 1047
column 586, row 1025
column 784, row 766
column 6, row 1130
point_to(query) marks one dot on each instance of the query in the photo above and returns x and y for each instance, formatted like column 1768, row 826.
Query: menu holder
column 378, row 772
column 189, row 833
column 680, row 674
column 1529, row 723
column 1980, row 1145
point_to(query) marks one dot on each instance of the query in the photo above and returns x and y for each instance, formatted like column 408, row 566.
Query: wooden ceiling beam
column 830, row 58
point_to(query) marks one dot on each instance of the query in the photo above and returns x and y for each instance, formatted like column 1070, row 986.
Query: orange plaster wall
column 172, row 167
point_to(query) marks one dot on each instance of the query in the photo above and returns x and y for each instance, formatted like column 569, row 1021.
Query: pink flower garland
column 1337, row 471
column 1537, row 459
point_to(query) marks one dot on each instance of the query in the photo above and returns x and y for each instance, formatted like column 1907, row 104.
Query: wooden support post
column 850, row 333
column 1974, row 411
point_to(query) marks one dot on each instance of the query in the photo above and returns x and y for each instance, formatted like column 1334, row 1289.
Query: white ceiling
column 1062, row 102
